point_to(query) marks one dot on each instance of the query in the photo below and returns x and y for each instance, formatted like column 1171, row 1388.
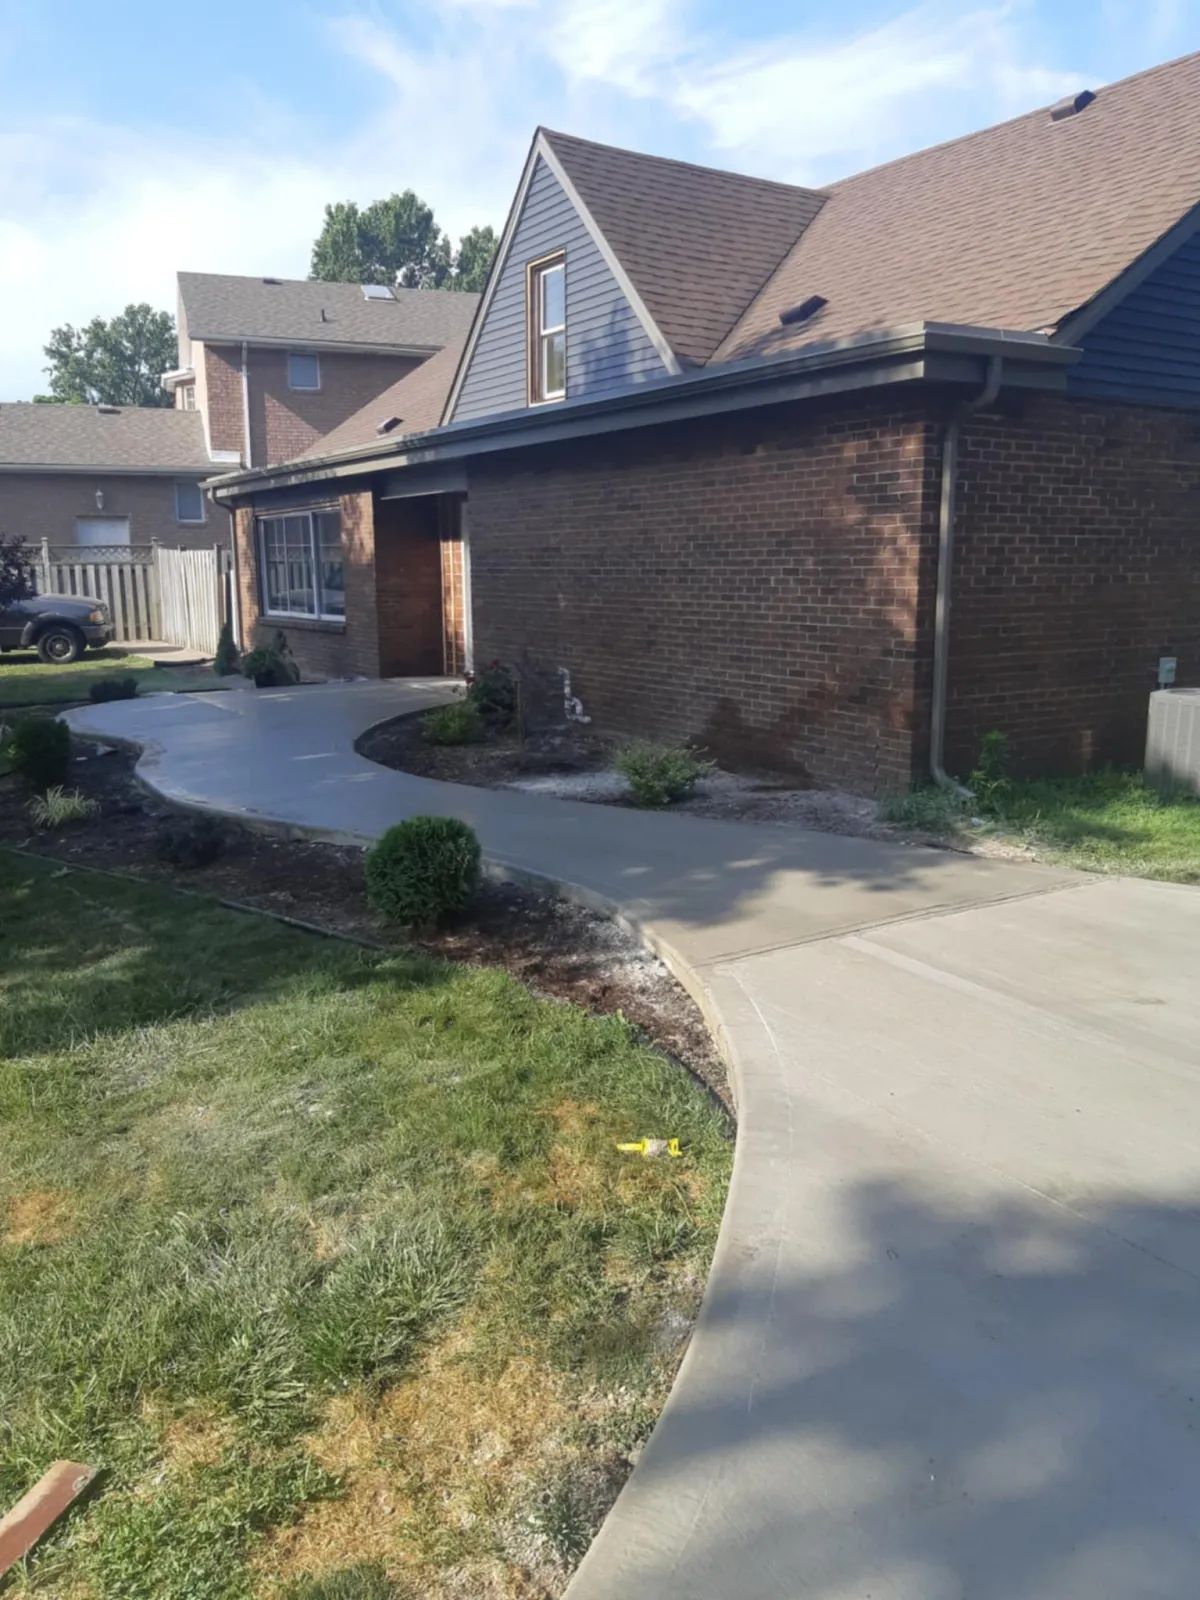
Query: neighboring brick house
column 833, row 481
column 273, row 364
column 106, row 475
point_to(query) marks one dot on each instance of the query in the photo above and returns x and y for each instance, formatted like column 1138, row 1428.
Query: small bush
column 930, row 810
column 58, row 806
column 493, row 692
column 657, row 774
column 226, row 659
column 190, row 842
column 39, row 751
column 989, row 781
column 272, row 666
column 457, row 723
column 113, row 689
column 424, row 870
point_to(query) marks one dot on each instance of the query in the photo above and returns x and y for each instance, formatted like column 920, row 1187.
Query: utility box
column 1173, row 741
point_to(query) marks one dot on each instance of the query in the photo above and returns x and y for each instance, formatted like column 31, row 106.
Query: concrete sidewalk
column 949, row 1342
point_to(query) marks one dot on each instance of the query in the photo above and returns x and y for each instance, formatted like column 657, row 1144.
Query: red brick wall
column 394, row 589
column 756, row 583
column 1077, row 567
column 44, row 505
column 221, row 394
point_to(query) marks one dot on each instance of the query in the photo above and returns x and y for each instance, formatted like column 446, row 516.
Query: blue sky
column 138, row 138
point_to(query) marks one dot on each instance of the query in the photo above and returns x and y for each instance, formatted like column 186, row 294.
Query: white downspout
column 945, row 576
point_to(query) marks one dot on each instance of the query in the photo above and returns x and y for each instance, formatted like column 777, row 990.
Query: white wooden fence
column 173, row 596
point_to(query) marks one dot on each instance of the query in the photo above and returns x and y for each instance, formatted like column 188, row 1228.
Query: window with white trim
column 189, row 501
column 187, row 397
column 301, row 566
column 548, row 330
column 304, row 371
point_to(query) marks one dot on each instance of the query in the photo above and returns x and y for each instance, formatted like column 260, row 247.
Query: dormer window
column 547, row 292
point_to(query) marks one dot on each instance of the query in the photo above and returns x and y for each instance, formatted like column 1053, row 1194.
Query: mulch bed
column 559, row 950
column 501, row 758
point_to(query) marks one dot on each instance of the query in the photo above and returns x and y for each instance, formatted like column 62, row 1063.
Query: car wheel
column 60, row 644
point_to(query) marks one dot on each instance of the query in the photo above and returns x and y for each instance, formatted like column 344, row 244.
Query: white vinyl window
column 187, row 397
column 301, row 567
column 189, row 501
column 548, row 330
column 304, row 372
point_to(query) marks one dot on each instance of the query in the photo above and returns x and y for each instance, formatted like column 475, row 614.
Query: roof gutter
column 944, row 352
column 945, row 573
column 346, row 347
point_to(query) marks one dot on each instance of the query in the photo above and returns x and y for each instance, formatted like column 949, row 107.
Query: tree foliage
column 16, row 569
column 398, row 242
column 116, row 363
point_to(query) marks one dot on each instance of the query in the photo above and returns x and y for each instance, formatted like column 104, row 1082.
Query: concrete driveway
column 951, row 1342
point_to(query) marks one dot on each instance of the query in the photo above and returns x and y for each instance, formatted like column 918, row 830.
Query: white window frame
column 540, row 334
column 189, row 522
column 309, row 514
column 303, row 388
column 187, row 393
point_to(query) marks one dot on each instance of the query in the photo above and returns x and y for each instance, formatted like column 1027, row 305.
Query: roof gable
column 697, row 243
column 1013, row 227
column 218, row 306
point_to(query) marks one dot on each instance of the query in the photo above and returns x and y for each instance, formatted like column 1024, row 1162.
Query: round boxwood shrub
column 39, row 752
column 105, row 689
column 424, row 870
column 457, row 723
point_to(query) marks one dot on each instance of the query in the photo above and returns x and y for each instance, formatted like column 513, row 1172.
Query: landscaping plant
column 457, row 723
column 190, row 842
column 269, row 669
column 59, row 806
column 493, row 692
column 226, row 659
column 39, row 752
column 657, row 774
column 989, row 781
column 113, row 689
column 424, row 870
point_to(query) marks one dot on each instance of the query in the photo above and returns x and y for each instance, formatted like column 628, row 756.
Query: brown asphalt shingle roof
column 131, row 439
column 697, row 243
column 418, row 400
column 219, row 306
column 1014, row 227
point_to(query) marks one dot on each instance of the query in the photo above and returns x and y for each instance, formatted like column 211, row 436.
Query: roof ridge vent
column 1071, row 106
column 276, row 283
column 804, row 312
column 109, row 411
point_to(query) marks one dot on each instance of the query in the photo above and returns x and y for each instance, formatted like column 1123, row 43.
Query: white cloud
column 93, row 215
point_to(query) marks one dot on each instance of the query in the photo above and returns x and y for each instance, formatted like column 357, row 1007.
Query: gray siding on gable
column 1147, row 350
column 607, row 347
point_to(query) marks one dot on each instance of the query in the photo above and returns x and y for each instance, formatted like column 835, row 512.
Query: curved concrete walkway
column 950, row 1341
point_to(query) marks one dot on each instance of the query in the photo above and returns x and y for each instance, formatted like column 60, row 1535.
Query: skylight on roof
column 377, row 291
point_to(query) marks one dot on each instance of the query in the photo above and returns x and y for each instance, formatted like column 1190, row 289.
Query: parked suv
column 60, row 627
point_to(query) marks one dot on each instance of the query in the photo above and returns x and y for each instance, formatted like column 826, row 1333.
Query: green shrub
column 423, row 870
column 39, row 751
column 190, row 842
column 930, row 810
column 59, row 806
column 989, row 781
column 493, row 692
column 457, row 723
column 113, row 689
column 660, row 773
column 226, row 659
column 271, row 666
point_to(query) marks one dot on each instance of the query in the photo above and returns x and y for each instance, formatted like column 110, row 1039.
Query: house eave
column 256, row 341
column 108, row 470
column 930, row 352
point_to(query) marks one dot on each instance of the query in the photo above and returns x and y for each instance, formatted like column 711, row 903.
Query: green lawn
column 1106, row 821
column 27, row 681
column 325, row 1257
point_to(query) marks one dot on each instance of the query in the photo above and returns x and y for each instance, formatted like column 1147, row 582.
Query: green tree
column 16, row 569
column 117, row 363
column 476, row 251
column 397, row 242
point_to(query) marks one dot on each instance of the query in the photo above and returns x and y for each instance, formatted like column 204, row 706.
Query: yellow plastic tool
column 652, row 1147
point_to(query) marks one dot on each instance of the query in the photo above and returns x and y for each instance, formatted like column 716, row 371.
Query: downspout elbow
column 945, row 575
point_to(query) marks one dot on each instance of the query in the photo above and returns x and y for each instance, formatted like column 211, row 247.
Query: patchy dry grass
column 326, row 1257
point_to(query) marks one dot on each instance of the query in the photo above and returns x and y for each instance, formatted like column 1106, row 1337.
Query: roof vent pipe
column 1071, row 106
column 805, row 311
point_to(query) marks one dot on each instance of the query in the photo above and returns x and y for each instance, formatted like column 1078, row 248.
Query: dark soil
column 502, row 757
column 559, row 950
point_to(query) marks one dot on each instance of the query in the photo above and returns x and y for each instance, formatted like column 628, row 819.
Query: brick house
column 832, row 481
column 272, row 364
column 107, row 476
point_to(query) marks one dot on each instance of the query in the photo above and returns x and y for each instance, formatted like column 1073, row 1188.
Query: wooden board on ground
column 29, row 1519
